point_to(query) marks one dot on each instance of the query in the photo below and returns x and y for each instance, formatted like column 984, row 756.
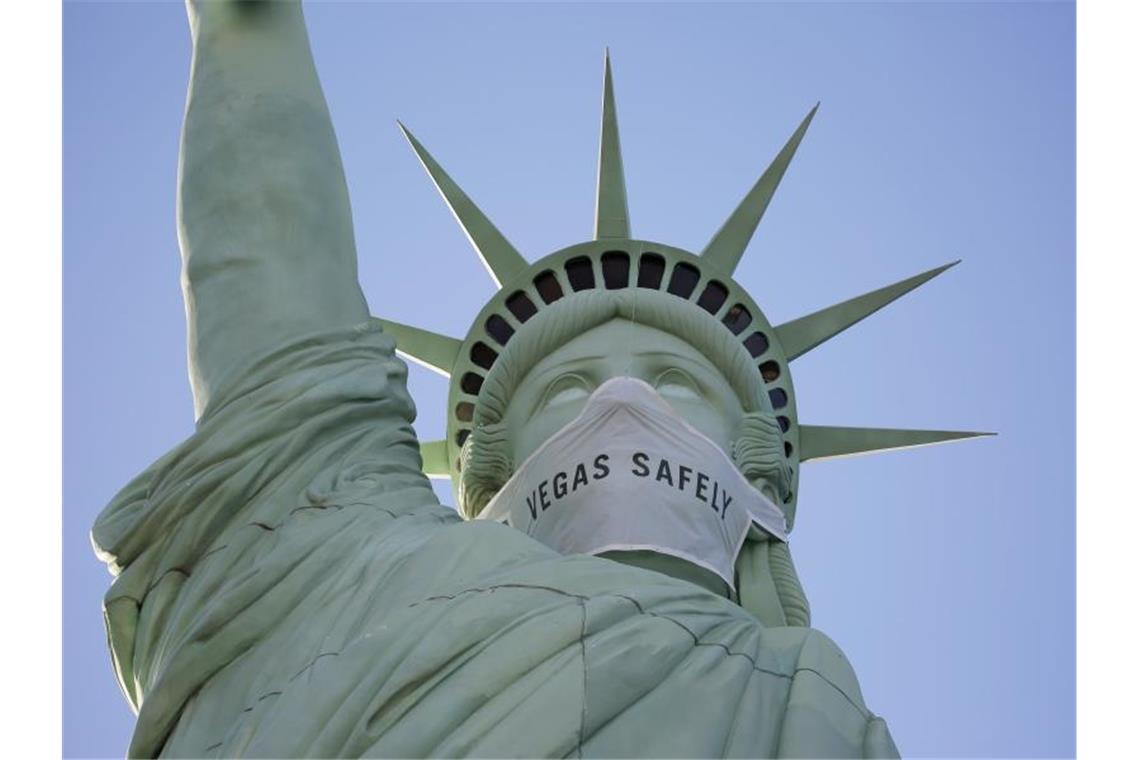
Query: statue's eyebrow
column 545, row 385
column 562, row 366
column 702, row 363
column 704, row 369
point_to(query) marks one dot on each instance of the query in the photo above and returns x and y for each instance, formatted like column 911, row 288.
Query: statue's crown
column 615, row 261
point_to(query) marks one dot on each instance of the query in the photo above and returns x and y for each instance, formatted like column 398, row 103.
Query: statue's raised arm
column 263, row 213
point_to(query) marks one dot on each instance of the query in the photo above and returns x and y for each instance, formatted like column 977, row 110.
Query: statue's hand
column 759, row 453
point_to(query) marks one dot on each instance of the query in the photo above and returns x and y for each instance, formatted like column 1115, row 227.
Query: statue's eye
column 565, row 389
column 678, row 384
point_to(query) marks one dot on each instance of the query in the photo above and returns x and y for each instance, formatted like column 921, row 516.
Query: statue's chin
column 674, row 567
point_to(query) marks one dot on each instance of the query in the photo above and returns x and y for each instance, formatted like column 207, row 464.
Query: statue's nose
column 628, row 391
column 621, row 362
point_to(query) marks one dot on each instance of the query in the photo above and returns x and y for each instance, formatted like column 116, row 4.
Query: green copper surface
column 286, row 582
column 828, row 442
column 727, row 246
column 634, row 297
column 432, row 350
column 555, row 390
column 612, row 213
column 434, row 456
column 500, row 258
column 802, row 335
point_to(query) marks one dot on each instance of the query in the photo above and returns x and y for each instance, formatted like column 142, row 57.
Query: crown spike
column 434, row 457
column 727, row 246
column 500, row 258
column 437, row 352
column 826, row 442
column 802, row 335
column 611, row 217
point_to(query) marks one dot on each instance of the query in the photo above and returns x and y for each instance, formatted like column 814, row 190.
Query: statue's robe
column 289, row 585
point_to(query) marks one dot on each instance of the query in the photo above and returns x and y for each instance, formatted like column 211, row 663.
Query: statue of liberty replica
column 622, row 440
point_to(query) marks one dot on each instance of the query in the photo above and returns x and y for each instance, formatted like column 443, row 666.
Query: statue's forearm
column 263, row 215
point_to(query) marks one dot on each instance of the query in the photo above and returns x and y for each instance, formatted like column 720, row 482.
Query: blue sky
column 946, row 131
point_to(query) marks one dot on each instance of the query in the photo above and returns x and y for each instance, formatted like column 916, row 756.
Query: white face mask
column 629, row 473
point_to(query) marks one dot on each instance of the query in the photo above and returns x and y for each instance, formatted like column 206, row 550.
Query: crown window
column 756, row 343
column 471, row 383
column 615, row 269
column 521, row 306
column 737, row 318
column 714, row 297
column 499, row 329
column 580, row 272
column 483, row 355
column 650, row 271
column 547, row 286
column 684, row 280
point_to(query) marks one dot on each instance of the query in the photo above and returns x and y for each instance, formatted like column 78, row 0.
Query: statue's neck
column 674, row 567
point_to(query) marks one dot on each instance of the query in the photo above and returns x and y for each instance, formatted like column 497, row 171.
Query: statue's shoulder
column 820, row 656
column 826, row 713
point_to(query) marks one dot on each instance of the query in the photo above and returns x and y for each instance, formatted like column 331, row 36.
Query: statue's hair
column 485, row 462
column 758, row 453
column 757, row 450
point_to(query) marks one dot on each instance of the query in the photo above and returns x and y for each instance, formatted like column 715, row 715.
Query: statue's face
column 554, row 392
